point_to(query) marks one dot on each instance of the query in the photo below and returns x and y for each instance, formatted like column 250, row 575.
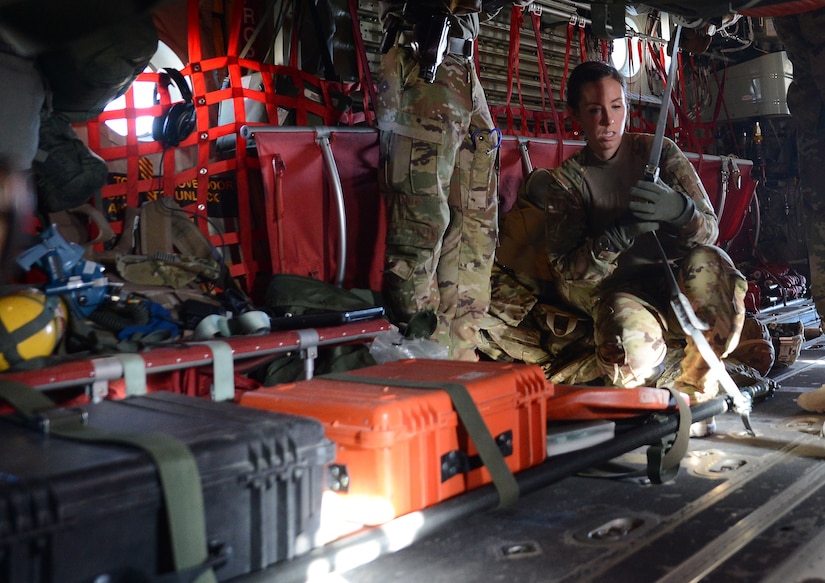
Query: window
column 144, row 95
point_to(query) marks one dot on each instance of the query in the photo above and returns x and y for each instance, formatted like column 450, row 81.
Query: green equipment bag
column 298, row 295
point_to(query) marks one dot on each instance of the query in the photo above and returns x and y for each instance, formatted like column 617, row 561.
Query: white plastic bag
column 392, row 345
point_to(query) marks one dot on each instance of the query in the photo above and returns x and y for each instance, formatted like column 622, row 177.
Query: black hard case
column 74, row 511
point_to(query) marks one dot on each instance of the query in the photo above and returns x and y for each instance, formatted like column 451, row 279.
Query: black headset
column 174, row 126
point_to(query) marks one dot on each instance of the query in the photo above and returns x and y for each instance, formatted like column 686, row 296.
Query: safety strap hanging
column 539, row 119
column 570, row 27
column 721, row 103
column 516, row 22
column 546, row 90
column 364, row 72
column 544, row 77
column 681, row 118
column 643, row 124
column 512, row 61
column 679, row 98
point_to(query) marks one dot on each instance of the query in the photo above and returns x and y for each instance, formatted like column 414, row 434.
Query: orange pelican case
column 401, row 449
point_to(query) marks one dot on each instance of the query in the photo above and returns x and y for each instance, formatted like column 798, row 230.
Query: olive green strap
column 467, row 410
column 663, row 460
column 177, row 470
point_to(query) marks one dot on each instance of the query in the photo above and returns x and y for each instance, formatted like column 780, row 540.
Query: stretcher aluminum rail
column 342, row 555
column 133, row 368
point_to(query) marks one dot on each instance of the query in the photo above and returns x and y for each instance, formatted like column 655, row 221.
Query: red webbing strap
column 697, row 112
column 706, row 138
column 516, row 23
column 657, row 57
column 679, row 94
column 582, row 42
column 190, row 172
column 633, row 114
column 547, row 91
column 201, row 72
column 241, row 163
column 644, row 124
column 193, row 35
column 688, row 138
column 720, row 100
column 237, row 165
column 568, row 47
column 364, row 73
column 605, row 51
column 512, row 56
column 544, row 80
column 137, row 179
column 686, row 125
column 679, row 113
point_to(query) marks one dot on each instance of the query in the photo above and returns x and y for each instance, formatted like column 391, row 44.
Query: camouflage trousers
column 633, row 331
column 804, row 38
column 437, row 161
column 631, row 337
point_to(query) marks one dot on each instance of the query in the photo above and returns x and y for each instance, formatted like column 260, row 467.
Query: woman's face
column 601, row 113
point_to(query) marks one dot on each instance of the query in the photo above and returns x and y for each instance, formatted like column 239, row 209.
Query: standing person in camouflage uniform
column 438, row 153
column 599, row 214
column 804, row 38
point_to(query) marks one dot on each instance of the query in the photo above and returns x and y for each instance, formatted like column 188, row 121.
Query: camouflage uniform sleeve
column 679, row 174
column 577, row 266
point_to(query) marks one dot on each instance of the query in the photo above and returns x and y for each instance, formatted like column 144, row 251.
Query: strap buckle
column 46, row 420
column 462, row 47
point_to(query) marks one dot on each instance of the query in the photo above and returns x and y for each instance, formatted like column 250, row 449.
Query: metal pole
column 341, row 555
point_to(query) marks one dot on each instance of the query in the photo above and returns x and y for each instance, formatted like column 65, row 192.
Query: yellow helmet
column 31, row 325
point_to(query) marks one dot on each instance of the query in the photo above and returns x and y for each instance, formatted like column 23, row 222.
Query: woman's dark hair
column 588, row 72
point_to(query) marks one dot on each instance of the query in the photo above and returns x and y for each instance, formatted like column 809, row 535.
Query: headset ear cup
column 174, row 126
column 157, row 128
column 178, row 123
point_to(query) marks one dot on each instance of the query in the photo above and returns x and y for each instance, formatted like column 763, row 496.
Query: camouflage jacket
column 575, row 217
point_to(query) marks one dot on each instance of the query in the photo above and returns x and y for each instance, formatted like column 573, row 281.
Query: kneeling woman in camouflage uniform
column 603, row 260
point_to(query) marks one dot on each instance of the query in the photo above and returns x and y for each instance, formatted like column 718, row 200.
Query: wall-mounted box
column 755, row 88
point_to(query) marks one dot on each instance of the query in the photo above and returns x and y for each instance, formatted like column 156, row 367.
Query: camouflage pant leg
column 22, row 94
column 716, row 291
column 416, row 156
column 441, row 219
column 629, row 336
column 804, row 38
column 507, row 332
column 464, row 268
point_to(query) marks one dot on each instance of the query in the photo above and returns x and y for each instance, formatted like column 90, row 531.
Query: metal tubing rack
column 222, row 353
